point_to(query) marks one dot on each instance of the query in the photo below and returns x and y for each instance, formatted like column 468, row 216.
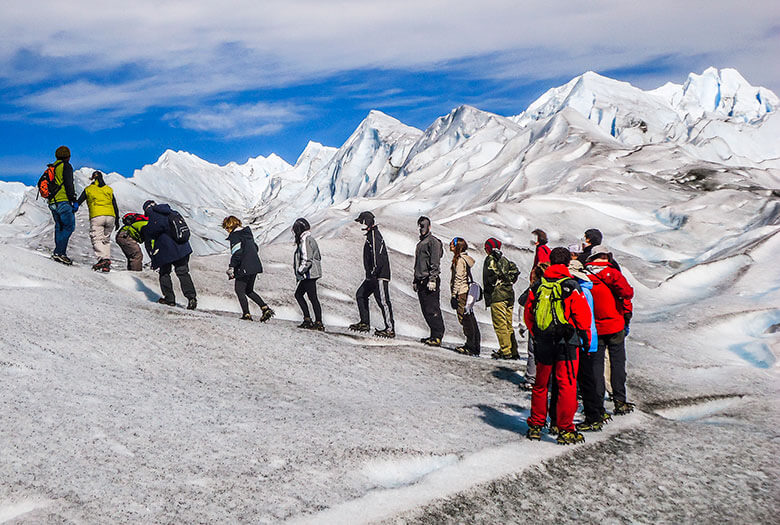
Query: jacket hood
column 557, row 271
column 162, row 209
column 241, row 233
column 469, row 260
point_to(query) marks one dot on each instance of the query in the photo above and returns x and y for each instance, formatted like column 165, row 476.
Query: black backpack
column 177, row 228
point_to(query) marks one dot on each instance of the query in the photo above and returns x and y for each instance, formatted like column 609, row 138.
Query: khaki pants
column 501, row 314
column 100, row 229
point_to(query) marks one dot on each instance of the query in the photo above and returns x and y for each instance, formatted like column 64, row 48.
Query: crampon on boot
column 568, row 437
column 590, row 426
column 534, row 432
column 387, row 333
column 267, row 314
column 360, row 327
column 318, row 326
column 306, row 324
column 623, row 407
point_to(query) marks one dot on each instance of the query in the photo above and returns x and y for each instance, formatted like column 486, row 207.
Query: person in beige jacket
column 460, row 281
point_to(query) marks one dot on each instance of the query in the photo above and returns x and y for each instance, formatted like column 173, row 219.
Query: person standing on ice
column 244, row 266
column 591, row 370
column 613, row 309
column 498, row 276
column 376, row 264
column 307, row 264
column 103, row 219
column 129, row 237
column 460, row 282
column 558, row 318
column 534, row 279
column 541, row 250
column 427, row 280
column 167, row 255
column 63, row 205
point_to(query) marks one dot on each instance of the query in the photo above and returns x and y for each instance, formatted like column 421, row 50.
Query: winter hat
column 366, row 218
column 492, row 244
column 593, row 236
column 148, row 204
column 599, row 250
column 577, row 270
column 62, row 153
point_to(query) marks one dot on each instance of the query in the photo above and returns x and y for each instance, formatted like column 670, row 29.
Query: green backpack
column 549, row 319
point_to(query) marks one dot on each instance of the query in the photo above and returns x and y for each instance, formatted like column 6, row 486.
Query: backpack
column 550, row 322
column 512, row 272
column 475, row 290
column 46, row 186
column 131, row 218
column 177, row 228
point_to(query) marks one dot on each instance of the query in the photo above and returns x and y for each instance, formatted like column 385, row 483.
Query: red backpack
column 131, row 218
column 46, row 185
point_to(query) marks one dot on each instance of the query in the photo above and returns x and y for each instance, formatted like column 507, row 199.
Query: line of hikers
column 577, row 307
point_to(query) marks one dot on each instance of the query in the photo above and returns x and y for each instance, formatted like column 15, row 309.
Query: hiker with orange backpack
column 56, row 186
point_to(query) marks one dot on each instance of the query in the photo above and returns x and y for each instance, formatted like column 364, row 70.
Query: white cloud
column 245, row 120
column 148, row 53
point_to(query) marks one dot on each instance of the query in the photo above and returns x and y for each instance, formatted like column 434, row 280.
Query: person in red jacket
column 613, row 310
column 557, row 353
column 542, row 251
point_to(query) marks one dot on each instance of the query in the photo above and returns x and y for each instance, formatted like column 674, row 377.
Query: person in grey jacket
column 427, row 281
column 307, row 264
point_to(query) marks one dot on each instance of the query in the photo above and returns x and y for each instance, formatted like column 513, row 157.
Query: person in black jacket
column 427, row 281
column 244, row 266
column 377, row 282
column 166, row 254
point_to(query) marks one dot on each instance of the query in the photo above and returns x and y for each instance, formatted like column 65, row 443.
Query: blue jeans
column 64, row 225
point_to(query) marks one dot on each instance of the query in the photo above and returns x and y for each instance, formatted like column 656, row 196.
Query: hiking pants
column 565, row 373
column 245, row 288
column 100, row 229
column 470, row 326
column 591, row 381
column 615, row 344
column 501, row 314
column 64, row 225
column 380, row 289
column 431, row 308
column 530, row 364
column 308, row 287
column 182, row 269
column 131, row 249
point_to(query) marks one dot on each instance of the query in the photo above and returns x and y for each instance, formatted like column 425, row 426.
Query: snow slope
column 132, row 412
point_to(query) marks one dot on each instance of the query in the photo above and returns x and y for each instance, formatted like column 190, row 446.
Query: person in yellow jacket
column 103, row 219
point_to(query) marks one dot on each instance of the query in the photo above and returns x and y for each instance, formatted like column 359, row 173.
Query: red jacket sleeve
column 528, row 315
column 578, row 312
column 622, row 291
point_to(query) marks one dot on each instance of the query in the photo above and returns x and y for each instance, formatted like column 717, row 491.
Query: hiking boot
column 318, row 326
column 605, row 418
column 388, row 333
column 463, row 350
column 501, row 355
column 64, row 259
column 623, row 407
column 246, row 317
column 360, row 327
column 590, row 426
column 433, row 341
column 267, row 314
column 192, row 304
column 534, row 432
column 568, row 437
column 554, row 430
column 306, row 324
column 424, row 340
column 166, row 302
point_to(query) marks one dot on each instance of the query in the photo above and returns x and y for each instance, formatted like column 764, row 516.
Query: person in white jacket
column 307, row 264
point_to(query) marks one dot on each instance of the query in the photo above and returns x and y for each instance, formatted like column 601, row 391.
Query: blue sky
column 121, row 84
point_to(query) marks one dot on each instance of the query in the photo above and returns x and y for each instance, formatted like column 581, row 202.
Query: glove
column 454, row 302
column 231, row 273
column 432, row 286
column 414, row 286
column 75, row 206
column 627, row 318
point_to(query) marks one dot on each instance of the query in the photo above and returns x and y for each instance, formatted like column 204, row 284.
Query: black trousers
column 431, row 308
column 380, row 289
column 470, row 326
column 245, row 288
column 591, row 381
column 182, row 269
column 615, row 344
column 308, row 287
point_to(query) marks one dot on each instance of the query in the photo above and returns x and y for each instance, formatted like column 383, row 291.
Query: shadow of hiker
column 497, row 419
column 150, row 294
column 508, row 374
